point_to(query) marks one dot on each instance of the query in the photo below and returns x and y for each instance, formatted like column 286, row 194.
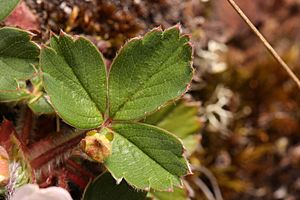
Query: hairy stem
column 27, row 126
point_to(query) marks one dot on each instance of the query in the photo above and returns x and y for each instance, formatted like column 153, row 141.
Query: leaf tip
column 52, row 34
column 157, row 29
column 187, row 36
column 31, row 34
column 178, row 26
column 118, row 180
column 188, row 87
column 190, row 44
column 188, row 167
column 135, row 39
column 62, row 33
column 189, row 171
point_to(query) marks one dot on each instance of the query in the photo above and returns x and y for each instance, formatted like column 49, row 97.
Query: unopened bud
column 97, row 145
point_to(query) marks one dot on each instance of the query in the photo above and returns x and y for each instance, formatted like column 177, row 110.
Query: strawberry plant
column 109, row 108
column 147, row 73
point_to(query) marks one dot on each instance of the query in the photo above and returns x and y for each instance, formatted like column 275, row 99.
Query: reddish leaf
column 6, row 130
column 22, row 17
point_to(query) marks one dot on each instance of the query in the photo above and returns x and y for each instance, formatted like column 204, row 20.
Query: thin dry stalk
column 209, row 195
column 265, row 42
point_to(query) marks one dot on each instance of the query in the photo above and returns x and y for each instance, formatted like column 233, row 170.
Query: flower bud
column 97, row 145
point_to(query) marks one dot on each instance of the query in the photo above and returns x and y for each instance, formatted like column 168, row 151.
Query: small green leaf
column 146, row 157
column 191, row 143
column 6, row 7
column 177, row 194
column 41, row 106
column 149, row 72
column 17, row 56
column 74, row 77
column 104, row 187
column 180, row 119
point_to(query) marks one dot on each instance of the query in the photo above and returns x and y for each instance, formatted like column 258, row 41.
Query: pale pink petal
column 25, row 191
column 33, row 192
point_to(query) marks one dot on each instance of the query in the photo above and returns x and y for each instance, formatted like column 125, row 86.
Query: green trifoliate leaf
column 146, row 157
column 6, row 6
column 74, row 77
column 17, row 56
column 180, row 119
column 104, row 187
column 149, row 72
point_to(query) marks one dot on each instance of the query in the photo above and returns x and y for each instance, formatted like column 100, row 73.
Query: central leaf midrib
column 134, row 92
column 80, row 114
column 81, row 84
column 150, row 157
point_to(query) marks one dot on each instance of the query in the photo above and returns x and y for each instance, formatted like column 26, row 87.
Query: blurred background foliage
column 247, row 108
